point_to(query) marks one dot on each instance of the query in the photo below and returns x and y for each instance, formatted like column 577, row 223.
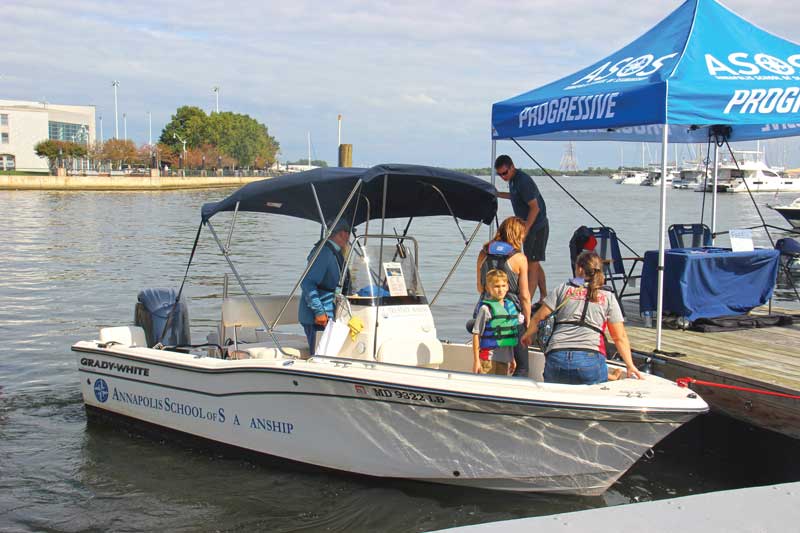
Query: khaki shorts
column 494, row 367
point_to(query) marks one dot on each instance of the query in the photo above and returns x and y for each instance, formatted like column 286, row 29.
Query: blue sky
column 414, row 80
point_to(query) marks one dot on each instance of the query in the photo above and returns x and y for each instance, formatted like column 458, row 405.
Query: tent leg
column 714, row 195
column 492, row 229
column 662, row 230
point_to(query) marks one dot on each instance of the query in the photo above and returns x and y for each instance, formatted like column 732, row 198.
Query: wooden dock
column 764, row 358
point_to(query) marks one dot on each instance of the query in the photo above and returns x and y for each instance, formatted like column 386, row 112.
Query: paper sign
column 741, row 240
column 395, row 281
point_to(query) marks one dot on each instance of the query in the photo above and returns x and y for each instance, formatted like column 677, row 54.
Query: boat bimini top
column 358, row 195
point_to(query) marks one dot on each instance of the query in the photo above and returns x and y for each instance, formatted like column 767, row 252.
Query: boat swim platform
column 769, row 508
column 761, row 358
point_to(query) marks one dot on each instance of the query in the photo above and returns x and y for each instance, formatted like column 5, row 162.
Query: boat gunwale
column 287, row 370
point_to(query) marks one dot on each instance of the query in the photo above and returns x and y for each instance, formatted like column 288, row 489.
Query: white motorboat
column 653, row 178
column 750, row 168
column 690, row 177
column 790, row 212
column 632, row 177
column 388, row 399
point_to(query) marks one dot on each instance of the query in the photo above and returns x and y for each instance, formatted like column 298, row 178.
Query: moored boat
column 389, row 399
column 790, row 212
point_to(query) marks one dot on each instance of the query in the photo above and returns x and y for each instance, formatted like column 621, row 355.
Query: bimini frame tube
column 458, row 261
column 317, row 251
column 244, row 288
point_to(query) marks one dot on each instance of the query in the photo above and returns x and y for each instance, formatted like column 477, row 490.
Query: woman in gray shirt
column 583, row 310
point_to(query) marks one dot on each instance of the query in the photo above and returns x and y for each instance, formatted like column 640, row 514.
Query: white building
column 24, row 124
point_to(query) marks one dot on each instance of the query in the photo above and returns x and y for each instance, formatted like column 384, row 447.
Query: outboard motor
column 152, row 311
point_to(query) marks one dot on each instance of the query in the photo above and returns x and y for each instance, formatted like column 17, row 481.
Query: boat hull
column 380, row 429
column 791, row 214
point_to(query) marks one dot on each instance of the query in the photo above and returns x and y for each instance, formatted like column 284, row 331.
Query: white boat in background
column 790, row 212
column 751, row 172
column 654, row 176
column 388, row 399
column 632, row 177
column 690, row 177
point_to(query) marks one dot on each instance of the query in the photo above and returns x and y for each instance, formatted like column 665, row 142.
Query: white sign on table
column 741, row 240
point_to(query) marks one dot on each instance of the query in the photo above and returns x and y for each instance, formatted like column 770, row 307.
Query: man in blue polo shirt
column 528, row 205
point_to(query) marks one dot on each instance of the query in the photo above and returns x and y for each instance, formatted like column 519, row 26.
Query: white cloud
column 413, row 79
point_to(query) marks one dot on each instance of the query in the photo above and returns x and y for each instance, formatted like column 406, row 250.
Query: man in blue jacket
column 316, row 303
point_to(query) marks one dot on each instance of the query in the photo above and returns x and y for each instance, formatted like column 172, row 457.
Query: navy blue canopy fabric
column 710, row 282
column 412, row 191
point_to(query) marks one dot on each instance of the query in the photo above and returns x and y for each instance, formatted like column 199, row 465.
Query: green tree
column 53, row 149
column 190, row 124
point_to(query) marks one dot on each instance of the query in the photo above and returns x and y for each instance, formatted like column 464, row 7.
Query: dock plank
column 763, row 358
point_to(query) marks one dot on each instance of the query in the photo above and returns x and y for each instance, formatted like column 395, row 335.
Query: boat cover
column 412, row 191
column 703, row 65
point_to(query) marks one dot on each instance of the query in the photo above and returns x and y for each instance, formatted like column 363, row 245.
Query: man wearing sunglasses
column 528, row 205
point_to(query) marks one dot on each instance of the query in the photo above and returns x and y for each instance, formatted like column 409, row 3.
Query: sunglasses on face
column 503, row 172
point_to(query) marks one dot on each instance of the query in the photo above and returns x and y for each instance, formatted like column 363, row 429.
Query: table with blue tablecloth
column 709, row 282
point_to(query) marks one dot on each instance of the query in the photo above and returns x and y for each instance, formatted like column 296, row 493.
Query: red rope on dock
column 684, row 382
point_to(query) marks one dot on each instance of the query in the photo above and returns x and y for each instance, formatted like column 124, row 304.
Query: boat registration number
column 407, row 395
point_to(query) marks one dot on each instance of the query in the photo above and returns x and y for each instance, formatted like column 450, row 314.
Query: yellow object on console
column 356, row 326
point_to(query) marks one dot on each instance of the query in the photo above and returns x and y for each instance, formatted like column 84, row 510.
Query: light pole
column 115, row 84
column 150, row 129
column 101, row 128
column 176, row 136
column 125, row 126
column 216, row 94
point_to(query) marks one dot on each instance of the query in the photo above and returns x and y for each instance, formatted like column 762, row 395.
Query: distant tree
column 190, row 124
column 239, row 137
column 118, row 152
column 53, row 149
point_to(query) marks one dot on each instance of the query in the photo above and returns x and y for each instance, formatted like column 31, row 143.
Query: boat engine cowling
column 152, row 312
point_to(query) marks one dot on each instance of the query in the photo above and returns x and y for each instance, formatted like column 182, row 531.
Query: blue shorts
column 573, row 367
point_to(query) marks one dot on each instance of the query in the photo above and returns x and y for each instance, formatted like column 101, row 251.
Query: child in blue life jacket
column 495, row 332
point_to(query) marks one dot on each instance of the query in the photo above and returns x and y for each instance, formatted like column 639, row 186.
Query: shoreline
column 120, row 183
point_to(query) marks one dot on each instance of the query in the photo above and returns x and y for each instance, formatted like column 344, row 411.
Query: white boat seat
column 267, row 350
column 238, row 312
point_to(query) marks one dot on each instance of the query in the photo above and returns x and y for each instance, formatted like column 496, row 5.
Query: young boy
column 496, row 329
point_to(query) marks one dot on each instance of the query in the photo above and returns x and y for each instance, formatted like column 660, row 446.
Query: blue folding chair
column 614, row 264
column 689, row 236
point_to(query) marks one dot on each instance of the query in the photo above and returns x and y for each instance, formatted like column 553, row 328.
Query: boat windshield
column 385, row 273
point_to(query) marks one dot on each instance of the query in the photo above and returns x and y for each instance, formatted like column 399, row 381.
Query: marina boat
column 759, row 177
column 653, row 178
column 388, row 398
column 790, row 212
column 690, row 177
column 632, row 177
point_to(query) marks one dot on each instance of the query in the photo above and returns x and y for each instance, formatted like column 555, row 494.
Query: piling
column 346, row 155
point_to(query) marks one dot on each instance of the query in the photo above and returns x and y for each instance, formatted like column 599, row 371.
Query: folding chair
column 614, row 264
column 679, row 236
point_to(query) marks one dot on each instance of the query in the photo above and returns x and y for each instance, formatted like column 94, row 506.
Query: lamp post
column 115, row 84
column 150, row 129
column 125, row 126
column 216, row 95
column 176, row 136
column 101, row 129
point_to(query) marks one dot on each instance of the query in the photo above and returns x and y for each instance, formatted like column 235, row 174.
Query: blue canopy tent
column 703, row 70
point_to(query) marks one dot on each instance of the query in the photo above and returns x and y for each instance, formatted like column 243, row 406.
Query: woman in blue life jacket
column 575, row 353
column 504, row 252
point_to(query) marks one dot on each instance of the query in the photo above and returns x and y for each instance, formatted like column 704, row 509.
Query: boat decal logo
column 117, row 367
column 101, row 390
column 360, row 389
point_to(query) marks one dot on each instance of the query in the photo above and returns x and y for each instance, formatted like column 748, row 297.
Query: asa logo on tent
column 739, row 66
column 627, row 69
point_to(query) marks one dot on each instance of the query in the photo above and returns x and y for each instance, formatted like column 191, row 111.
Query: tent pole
column 494, row 177
column 662, row 230
column 714, row 194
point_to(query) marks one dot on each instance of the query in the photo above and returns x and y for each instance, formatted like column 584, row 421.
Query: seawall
column 120, row 183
